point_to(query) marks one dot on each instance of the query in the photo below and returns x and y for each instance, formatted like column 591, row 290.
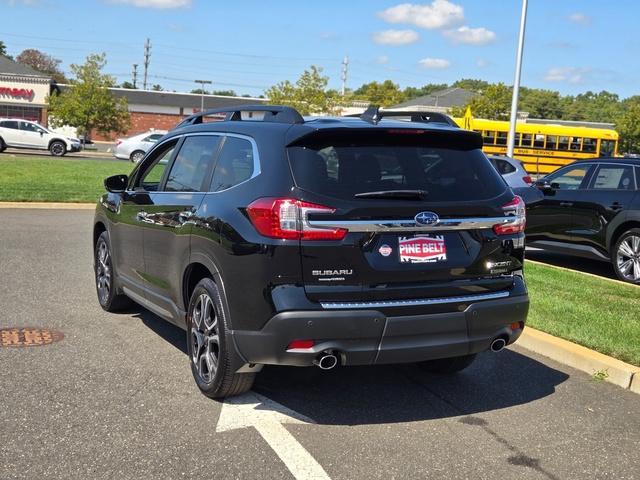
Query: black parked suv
column 330, row 241
column 591, row 208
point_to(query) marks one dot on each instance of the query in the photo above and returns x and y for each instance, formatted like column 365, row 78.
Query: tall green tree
column 385, row 94
column 89, row 104
column 43, row 63
column 494, row 103
column 592, row 107
column 541, row 103
column 428, row 89
column 472, row 84
column 308, row 95
column 3, row 50
column 628, row 125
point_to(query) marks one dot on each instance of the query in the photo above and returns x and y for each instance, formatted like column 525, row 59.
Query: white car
column 134, row 148
column 511, row 170
column 26, row 134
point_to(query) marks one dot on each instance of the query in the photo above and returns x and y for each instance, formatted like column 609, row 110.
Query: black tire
column 3, row 146
column 57, row 148
column 136, row 156
column 208, row 345
column 105, row 276
column 448, row 365
column 625, row 256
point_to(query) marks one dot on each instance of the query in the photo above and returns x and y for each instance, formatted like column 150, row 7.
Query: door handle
column 566, row 204
column 616, row 206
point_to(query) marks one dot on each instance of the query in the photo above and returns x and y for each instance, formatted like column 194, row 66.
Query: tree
column 129, row 85
column 43, row 63
column 593, row 107
column 89, row 104
column 628, row 125
column 541, row 103
column 225, row 93
column 471, row 84
column 308, row 95
column 494, row 103
column 3, row 50
column 200, row 91
column 157, row 88
column 385, row 94
column 428, row 89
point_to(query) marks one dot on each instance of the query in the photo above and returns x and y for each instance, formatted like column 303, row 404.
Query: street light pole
column 202, row 84
column 516, row 83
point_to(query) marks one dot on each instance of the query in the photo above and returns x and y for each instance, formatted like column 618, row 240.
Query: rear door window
column 343, row 171
column 235, row 165
column 613, row 177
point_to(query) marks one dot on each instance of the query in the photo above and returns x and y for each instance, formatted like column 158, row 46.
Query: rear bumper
column 365, row 337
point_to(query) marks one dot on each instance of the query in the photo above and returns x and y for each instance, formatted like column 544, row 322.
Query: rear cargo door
column 419, row 210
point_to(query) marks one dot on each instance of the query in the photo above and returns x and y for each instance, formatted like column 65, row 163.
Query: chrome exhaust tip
column 498, row 344
column 326, row 361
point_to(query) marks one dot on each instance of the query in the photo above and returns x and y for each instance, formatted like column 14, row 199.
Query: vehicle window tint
column 29, row 127
column 235, row 164
column 153, row 171
column 576, row 144
column 526, row 139
column 589, row 145
column 489, row 137
column 551, row 141
column 538, row 140
column 342, row 171
column 504, row 167
column 563, row 143
column 10, row 124
column 192, row 164
column 502, row 138
column 153, row 138
column 569, row 179
column 614, row 177
column 607, row 148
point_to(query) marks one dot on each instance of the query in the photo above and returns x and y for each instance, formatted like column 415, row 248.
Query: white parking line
column 267, row 417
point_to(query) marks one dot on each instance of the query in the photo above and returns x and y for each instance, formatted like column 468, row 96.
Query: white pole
column 516, row 82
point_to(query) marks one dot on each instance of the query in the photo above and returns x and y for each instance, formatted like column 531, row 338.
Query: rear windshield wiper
column 399, row 194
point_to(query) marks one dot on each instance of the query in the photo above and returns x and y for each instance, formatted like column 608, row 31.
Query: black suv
column 330, row 241
column 591, row 208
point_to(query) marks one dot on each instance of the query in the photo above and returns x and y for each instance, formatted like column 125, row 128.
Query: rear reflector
column 515, row 208
column 301, row 344
column 286, row 219
column 527, row 180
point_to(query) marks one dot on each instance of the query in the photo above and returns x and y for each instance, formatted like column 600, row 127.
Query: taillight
column 286, row 218
column 516, row 217
column 118, row 142
column 527, row 180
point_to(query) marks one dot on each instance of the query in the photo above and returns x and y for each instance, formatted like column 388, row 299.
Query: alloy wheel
column 205, row 338
column 57, row 149
column 103, row 271
column 628, row 258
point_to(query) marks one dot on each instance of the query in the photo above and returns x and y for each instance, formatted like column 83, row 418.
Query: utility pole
column 516, row 82
column 345, row 70
column 202, row 84
column 147, row 55
column 135, row 75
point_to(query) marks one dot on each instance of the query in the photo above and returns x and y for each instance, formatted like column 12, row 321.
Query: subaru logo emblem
column 426, row 218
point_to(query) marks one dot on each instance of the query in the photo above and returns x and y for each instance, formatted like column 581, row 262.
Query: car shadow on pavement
column 394, row 393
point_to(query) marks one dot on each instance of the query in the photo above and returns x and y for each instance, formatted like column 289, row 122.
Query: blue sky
column 247, row 45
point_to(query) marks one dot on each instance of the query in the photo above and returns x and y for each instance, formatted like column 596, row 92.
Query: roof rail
column 272, row 113
column 373, row 115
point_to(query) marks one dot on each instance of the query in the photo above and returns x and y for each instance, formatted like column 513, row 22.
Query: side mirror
column 544, row 184
column 116, row 183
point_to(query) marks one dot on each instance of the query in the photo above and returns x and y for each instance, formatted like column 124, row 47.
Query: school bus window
column 489, row 137
column 563, row 143
column 607, row 148
column 502, row 138
column 589, row 145
column 551, row 142
column 526, row 139
column 576, row 144
column 538, row 141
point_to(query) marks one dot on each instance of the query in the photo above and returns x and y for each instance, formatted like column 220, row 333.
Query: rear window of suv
column 445, row 174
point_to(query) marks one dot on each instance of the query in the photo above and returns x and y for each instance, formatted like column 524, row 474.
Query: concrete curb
column 49, row 205
column 581, row 358
column 620, row 282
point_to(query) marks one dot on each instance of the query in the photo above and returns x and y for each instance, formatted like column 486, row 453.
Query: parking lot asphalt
column 115, row 397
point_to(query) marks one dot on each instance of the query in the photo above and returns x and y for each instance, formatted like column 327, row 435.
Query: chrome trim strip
column 411, row 225
column 415, row 302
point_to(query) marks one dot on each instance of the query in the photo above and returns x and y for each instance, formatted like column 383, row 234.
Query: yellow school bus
column 542, row 148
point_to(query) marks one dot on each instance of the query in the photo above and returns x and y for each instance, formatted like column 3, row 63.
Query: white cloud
column 382, row 60
column 482, row 63
column 580, row 18
column 396, row 37
column 470, row 36
column 567, row 74
column 435, row 63
column 160, row 4
column 439, row 14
